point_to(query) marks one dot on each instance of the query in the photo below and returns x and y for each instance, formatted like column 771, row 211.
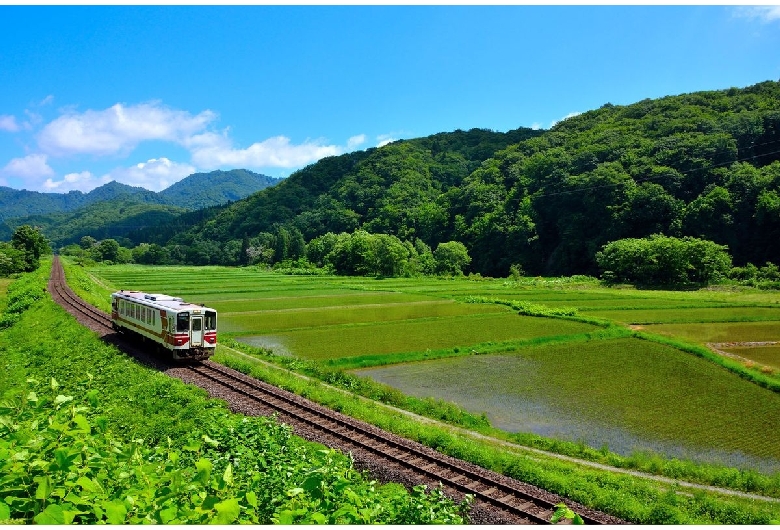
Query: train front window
column 182, row 322
column 211, row 320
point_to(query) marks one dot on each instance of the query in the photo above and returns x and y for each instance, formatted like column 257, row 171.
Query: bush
column 663, row 261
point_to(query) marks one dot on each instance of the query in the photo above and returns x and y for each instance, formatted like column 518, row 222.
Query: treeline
column 359, row 253
column 702, row 165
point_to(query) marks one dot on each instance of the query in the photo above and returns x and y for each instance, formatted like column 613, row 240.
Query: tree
column 391, row 255
column 355, row 254
column 12, row 259
column 32, row 243
column 108, row 250
column 87, row 242
column 451, row 258
column 662, row 260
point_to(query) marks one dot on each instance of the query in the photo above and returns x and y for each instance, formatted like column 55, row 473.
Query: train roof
column 161, row 301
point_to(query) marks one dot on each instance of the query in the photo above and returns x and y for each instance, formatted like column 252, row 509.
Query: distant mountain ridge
column 199, row 190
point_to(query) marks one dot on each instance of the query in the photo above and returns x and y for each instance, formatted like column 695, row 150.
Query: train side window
column 183, row 322
column 211, row 320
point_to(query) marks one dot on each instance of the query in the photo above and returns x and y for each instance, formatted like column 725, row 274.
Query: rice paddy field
column 590, row 379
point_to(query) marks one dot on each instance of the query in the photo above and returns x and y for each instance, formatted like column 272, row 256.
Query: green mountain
column 705, row 164
column 393, row 189
column 114, row 209
column 201, row 190
column 21, row 203
column 102, row 220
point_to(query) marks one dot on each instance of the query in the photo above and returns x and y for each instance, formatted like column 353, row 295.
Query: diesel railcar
column 188, row 331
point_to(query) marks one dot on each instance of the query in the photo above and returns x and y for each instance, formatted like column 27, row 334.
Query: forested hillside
column 22, row 203
column 202, row 190
column 396, row 189
column 114, row 209
column 101, row 220
column 702, row 165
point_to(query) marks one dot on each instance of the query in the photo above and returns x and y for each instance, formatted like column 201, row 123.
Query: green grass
column 331, row 298
column 329, row 342
column 4, row 283
column 279, row 320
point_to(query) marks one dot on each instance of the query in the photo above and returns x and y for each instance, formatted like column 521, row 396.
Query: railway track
column 517, row 502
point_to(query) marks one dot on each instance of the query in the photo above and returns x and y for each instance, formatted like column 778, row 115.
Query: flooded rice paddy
column 522, row 394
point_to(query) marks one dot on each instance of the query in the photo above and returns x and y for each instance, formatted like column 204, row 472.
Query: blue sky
column 147, row 95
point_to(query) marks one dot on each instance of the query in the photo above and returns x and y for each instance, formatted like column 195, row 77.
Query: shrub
column 662, row 260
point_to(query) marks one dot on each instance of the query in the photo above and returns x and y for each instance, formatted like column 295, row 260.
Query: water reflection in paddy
column 513, row 392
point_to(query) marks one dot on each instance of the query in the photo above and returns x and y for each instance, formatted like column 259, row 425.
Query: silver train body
column 188, row 331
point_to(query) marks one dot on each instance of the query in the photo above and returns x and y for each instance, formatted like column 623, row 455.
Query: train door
column 196, row 339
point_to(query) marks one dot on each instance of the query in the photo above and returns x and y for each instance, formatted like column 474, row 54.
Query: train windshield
column 210, row 323
column 182, row 322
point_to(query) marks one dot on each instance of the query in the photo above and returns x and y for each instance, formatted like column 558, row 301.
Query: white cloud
column 536, row 126
column 763, row 13
column 384, row 139
column 28, row 168
column 8, row 123
column 119, row 129
column 84, row 181
column 155, row 174
column 569, row 115
column 356, row 141
column 210, row 150
column 116, row 131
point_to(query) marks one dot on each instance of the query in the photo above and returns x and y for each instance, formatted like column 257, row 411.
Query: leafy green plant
column 563, row 512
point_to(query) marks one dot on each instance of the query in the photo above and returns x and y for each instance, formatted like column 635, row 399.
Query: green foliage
column 550, row 200
column 563, row 512
column 12, row 260
column 61, row 467
column 663, row 261
column 364, row 254
column 30, row 245
column 451, row 258
column 103, row 220
column 525, row 307
column 201, row 190
column 22, row 294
